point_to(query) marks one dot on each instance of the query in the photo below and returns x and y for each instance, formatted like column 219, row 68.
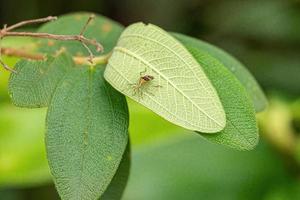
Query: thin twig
column 86, row 24
column 6, row 32
column 90, row 59
column 33, row 21
column 7, row 67
column 97, row 60
column 79, row 38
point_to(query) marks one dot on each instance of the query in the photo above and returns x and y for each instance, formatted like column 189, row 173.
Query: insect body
column 142, row 84
column 145, row 79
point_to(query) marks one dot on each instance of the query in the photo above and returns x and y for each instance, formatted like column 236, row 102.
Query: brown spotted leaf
column 102, row 29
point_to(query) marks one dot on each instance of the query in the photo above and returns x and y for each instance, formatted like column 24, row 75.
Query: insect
column 142, row 85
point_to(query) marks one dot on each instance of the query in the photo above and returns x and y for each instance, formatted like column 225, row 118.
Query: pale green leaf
column 35, row 81
column 241, row 130
column 180, row 91
column 87, row 132
column 237, row 68
column 102, row 29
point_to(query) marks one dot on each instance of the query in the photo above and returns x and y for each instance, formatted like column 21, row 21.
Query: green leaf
column 180, row 91
column 101, row 29
column 241, row 130
column 117, row 186
column 238, row 69
column 87, row 132
column 35, row 81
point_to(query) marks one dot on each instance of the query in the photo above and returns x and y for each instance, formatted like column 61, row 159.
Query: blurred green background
column 169, row 163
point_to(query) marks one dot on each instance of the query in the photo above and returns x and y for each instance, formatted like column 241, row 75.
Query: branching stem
column 33, row 21
column 8, row 32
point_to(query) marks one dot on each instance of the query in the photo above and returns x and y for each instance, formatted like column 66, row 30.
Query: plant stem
column 33, row 21
column 7, row 67
column 81, row 60
column 96, row 60
column 7, row 32
column 79, row 38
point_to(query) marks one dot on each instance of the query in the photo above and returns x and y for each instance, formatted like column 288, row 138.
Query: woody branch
column 8, row 32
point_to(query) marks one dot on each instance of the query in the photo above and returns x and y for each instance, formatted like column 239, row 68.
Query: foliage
column 241, row 131
column 237, row 68
column 87, row 118
column 191, row 101
column 36, row 81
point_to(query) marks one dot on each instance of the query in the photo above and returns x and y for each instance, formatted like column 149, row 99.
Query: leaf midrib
column 86, row 133
column 149, row 96
column 128, row 52
column 174, row 52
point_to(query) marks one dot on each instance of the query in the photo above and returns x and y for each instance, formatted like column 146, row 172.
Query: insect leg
column 141, row 93
column 135, row 90
column 157, row 86
column 143, row 72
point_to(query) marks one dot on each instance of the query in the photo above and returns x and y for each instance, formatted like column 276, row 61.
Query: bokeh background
column 169, row 163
